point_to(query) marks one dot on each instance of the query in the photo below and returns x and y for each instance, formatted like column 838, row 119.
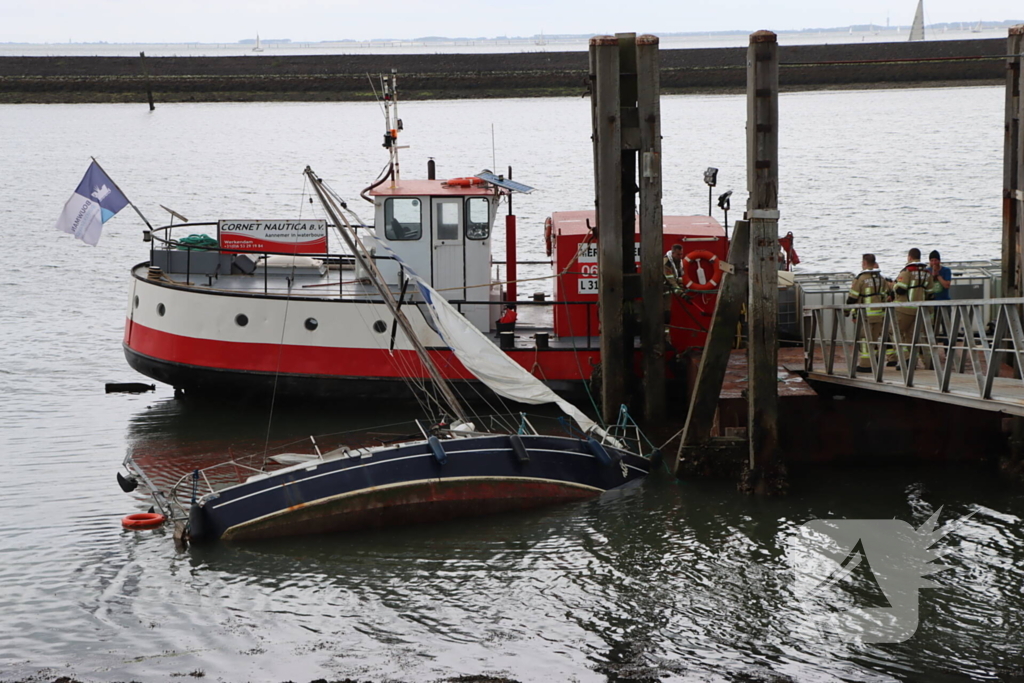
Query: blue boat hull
column 414, row 483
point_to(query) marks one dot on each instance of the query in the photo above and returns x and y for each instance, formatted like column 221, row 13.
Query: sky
column 219, row 21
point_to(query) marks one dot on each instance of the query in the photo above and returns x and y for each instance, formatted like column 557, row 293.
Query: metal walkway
column 961, row 352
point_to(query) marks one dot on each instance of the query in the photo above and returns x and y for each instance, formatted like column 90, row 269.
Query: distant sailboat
column 978, row 28
column 917, row 29
column 257, row 48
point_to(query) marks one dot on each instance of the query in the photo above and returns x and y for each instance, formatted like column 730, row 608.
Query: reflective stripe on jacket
column 914, row 283
column 870, row 288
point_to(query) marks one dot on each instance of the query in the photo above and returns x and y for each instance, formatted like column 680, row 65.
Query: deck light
column 711, row 178
column 724, row 204
column 723, row 200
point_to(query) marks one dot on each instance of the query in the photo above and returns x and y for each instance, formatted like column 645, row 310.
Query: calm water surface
column 667, row 581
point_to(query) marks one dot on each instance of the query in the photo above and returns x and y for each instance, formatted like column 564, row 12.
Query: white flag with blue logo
column 95, row 202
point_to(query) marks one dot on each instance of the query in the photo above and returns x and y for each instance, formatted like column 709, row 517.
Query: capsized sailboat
column 455, row 470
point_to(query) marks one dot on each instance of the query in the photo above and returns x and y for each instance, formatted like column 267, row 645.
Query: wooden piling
column 629, row 131
column 652, row 241
column 713, row 362
column 1013, row 165
column 608, row 203
column 1013, row 210
column 149, row 86
column 764, row 472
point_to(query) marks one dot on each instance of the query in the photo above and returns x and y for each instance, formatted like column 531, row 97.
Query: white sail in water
column 491, row 365
column 917, row 30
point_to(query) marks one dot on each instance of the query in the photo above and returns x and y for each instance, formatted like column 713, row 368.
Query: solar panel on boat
column 501, row 181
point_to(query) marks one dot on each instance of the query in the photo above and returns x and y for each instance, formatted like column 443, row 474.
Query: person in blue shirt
column 941, row 274
column 943, row 277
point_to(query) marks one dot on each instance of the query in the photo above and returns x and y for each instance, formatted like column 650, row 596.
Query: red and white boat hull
column 195, row 340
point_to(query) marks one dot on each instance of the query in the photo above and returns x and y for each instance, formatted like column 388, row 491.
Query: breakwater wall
column 454, row 76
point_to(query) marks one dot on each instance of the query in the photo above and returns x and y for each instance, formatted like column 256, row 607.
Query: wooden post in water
column 1013, row 200
column 1013, row 165
column 629, row 126
column 764, row 466
column 652, row 241
column 696, row 445
column 608, row 202
column 626, row 116
column 149, row 86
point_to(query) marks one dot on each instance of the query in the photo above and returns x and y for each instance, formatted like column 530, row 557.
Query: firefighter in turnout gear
column 869, row 287
column 914, row 283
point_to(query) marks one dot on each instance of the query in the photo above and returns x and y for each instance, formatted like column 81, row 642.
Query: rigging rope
column 277, row 370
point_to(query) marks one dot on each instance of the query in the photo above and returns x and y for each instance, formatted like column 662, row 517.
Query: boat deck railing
column 202, row 482
column 965, row 360
column 163, row 242
column 534, row 314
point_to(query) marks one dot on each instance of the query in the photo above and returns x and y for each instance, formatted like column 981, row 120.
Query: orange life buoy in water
column 143, row 520
column 548, row 245
column 694, row 281
column 465, row 182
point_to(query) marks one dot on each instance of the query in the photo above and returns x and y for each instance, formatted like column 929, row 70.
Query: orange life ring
column 465, row 182
column 143, row 520
column 693, row 282
column 548, row 245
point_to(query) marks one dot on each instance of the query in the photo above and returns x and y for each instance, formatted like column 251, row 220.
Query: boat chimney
column 431, row 169
column 510, row 250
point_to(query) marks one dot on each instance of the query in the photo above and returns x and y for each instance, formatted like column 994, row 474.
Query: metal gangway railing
column 970, row 350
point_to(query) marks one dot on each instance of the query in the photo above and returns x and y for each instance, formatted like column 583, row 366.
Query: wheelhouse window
column 478, row 218
column 447, row 221
column 403, row 219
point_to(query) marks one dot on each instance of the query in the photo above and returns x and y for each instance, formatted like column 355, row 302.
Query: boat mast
column 370, row 266
column 392, row 123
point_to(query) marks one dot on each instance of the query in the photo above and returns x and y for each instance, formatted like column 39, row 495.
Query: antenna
column 494, row 164
column 174, row 214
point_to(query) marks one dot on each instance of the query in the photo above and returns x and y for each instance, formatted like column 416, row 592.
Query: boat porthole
column 241, row 320
column 311, row 324
column 160, row 309
column 380, row 326
column 136, row 301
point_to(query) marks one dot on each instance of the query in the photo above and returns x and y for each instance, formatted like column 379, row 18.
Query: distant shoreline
column 463, row 76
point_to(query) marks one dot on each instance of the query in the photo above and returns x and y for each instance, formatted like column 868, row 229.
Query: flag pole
column 122, row 193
